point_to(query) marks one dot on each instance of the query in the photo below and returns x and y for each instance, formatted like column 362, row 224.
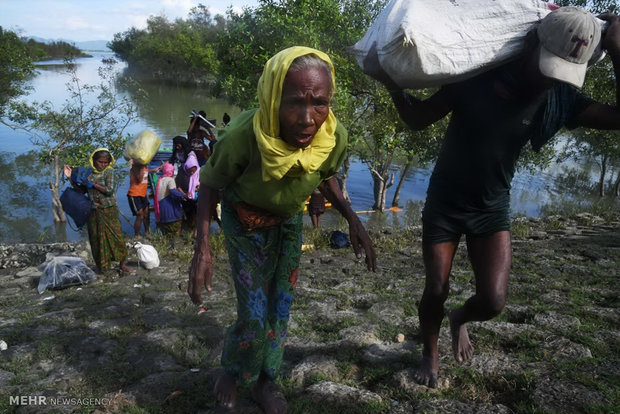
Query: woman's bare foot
column 226, row 391
column 126, row 270
column 426, row 374
column 461, row 346
column 267, row 395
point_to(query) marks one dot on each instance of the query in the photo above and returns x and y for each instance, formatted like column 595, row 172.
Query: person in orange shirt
column 136, row 195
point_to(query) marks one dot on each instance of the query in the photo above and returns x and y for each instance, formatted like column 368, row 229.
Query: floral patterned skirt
column 265, row 264
column 107, row 242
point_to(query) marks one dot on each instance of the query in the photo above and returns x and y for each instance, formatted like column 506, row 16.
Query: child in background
column 136, row 195
column 167, row 203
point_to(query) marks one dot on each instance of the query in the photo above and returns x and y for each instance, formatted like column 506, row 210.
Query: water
column 25, row 214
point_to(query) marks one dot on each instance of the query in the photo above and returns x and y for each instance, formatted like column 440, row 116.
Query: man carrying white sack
column 493, row 116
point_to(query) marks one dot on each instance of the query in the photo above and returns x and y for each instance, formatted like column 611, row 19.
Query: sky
column 83, row 20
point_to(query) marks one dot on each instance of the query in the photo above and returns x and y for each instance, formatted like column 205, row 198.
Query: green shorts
column 443, row 223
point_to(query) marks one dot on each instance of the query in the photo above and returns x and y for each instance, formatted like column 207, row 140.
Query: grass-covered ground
column 137, row 345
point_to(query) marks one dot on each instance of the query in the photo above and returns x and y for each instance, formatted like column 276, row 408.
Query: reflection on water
column 25, row 211
column 26, row 200
column 167, row 108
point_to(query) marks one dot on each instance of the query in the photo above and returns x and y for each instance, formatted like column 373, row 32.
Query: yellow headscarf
column 92, row 160
column 278, row 157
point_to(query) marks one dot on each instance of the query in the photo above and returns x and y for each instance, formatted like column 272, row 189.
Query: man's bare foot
column 426, row 374
column 267, row 395
column 226, row 391
column 461, row 346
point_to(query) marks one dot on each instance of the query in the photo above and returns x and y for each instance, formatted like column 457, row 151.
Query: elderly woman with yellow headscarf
column 268, row 161
column 107, row 242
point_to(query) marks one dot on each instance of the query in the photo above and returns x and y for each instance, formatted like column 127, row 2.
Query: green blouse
column 236, row 166
column 108, row 181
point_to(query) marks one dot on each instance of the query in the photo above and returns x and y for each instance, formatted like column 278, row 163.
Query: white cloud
column 77, row 23
column 139, row 22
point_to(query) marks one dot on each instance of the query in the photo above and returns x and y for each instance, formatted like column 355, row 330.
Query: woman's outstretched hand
column 200, row 273
column 67, row 171
column 360, row 240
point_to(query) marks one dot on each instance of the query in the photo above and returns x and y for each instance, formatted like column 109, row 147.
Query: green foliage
column 606, row 208
column 53, row 50
column 317, row 237
column 181, row 50
column 256, row 35
column 594, row 6
column 15, row 66
column 520, row 228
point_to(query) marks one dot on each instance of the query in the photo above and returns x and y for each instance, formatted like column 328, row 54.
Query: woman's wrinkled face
column 102, row 162
column 304, row 105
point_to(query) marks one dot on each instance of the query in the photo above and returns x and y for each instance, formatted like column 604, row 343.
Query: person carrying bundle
column 493, row 116
column 200, row 128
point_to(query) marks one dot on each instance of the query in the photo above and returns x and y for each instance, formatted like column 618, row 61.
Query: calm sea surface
column 25, row 209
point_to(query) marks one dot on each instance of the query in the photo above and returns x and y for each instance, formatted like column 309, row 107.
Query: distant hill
column 89, row 45
column 93, row 45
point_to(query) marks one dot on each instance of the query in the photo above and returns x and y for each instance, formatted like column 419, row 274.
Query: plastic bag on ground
column 63, row 271
column 147, row 255
column 143, row 147
column 423, row 43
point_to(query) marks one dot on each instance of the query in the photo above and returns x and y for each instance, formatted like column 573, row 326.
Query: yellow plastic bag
column 143, row 147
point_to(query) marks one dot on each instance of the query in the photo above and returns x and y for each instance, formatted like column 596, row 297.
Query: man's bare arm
column 416, row 113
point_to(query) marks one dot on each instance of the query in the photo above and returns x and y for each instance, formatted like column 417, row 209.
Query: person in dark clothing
column 493, row 116
column 187, row 182
column 199, row 130
column 225, row 119
column 180, row 150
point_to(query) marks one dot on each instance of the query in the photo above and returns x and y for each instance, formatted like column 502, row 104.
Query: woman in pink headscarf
column 168, row 207
column 188, row 180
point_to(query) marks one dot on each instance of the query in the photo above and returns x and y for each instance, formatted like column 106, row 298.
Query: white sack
column 424, row 43
column 147, row 255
